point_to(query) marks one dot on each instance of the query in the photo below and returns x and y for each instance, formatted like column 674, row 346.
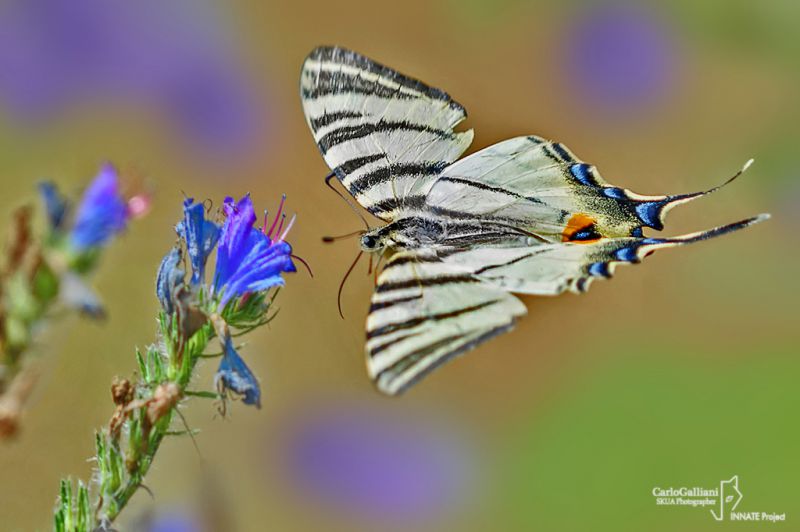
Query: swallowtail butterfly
column 461, row 235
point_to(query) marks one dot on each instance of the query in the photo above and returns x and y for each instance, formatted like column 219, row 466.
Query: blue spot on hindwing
column 637, row 232
column 583, row 173
column 627, row 254
column 614, row 192
column 599, row 269
column 649, row 212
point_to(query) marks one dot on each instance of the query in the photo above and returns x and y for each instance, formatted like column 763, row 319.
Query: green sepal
column 144, row 371
column 63, row 515
column 83, row 262
column 84, row 517
column 45, row 284
column 156, row 364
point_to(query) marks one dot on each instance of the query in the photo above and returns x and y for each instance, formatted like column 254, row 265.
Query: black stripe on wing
column 384, row 174
column 330, row 118
column 380, row 305
column 350, row 58
column 347, row 133
column 407, row 363
column 391, row 286
column 413, row 322
column 336, row 82
column 356, row 164
column 388, row 205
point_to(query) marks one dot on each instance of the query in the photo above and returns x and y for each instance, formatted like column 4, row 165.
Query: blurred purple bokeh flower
column 102, row 212
column 619, row 56
column 174, row 522
column 167, row 56
column 379, row 467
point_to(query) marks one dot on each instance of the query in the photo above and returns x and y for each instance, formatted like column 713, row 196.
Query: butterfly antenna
column 304, row 263
column 341, row 285
column 329, row 239
column 353, row 207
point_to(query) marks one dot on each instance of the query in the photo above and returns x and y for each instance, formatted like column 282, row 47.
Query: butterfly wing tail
column 551, row 269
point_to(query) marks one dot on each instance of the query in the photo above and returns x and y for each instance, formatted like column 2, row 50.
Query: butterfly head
column 373, row 241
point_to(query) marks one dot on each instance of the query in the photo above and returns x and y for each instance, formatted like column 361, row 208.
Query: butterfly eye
column 369, row 242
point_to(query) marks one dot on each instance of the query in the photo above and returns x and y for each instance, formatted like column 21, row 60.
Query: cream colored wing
column 425, row 312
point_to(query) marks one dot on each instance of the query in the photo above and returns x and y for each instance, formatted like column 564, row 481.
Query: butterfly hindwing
column 386, row 136
column 551, row 269
column 432, row 305
column 424, row 312
column 543, row 188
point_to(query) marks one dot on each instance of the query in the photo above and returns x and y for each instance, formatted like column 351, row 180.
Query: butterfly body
column 462, row 235
column 428, row 231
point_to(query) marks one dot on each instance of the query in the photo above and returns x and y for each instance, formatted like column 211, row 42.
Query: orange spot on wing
column 578, row 222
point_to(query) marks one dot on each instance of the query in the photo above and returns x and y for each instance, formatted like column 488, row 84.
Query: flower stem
column 193, row 313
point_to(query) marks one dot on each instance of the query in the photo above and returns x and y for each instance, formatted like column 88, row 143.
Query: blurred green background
column 682, row 371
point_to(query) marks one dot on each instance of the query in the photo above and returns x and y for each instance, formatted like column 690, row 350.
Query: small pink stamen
column 288, row 227
column 280, row 226
column 277, row 216
column 264, row 227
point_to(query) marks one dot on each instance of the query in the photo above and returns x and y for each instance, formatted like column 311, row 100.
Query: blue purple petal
column 102, row 212
column 200, row 235
column 234, row 375
column 55, row 204
column 169, row 278
column 247, row 260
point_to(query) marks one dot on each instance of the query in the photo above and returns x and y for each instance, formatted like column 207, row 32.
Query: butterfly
column 461, row 236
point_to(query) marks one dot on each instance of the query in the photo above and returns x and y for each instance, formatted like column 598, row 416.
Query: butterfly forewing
column 386, row 136
column 542, row 187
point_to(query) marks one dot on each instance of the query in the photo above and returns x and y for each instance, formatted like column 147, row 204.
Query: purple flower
column 234, row 375
column 102, row 213
column 378, row 465
column 200, row 236
column 619, row 56
column 170, row 57
column 248, row 259
column 175, row 521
